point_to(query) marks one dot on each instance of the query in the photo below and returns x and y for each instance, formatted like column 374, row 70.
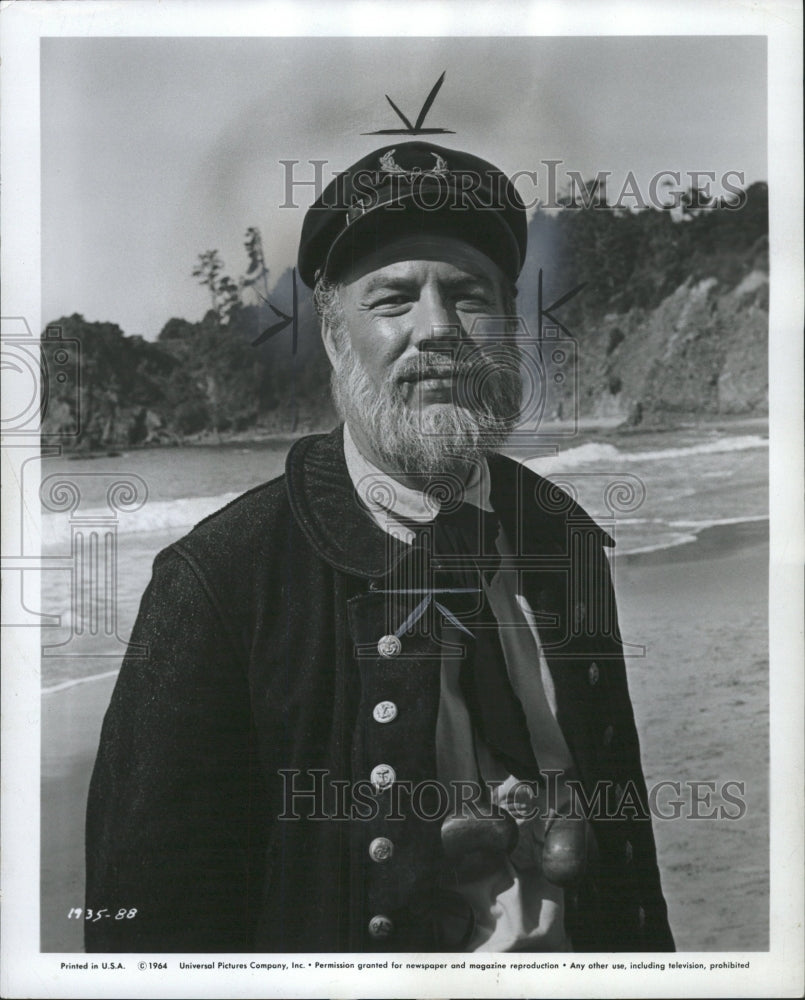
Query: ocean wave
column 683, row 532
column 156, row 515
column 667, row 542
column 719, row 446
column 584, row 454
column 597, row 452
column 73, row 681
column 717, row 522
column 175, row 515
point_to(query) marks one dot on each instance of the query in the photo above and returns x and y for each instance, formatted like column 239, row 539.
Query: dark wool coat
column 262, row 627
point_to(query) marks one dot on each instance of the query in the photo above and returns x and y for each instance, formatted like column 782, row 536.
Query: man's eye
column 474, row 303
column 391, row 301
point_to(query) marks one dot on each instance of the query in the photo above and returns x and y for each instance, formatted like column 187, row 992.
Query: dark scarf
column 462, row 542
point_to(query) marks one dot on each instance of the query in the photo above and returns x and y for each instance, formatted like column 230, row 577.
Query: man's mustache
column 434, row 364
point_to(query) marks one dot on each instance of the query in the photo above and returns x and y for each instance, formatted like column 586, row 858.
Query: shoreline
column 604, row 426
column 697, row 717
column 710, row 543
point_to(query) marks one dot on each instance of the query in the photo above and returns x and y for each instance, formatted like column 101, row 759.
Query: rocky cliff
column 668, row 315
column 702, row 350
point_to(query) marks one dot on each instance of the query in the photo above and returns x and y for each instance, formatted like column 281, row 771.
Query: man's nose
column 436, row 321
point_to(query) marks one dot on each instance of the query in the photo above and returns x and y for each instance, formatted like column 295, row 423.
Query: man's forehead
column 409, row 257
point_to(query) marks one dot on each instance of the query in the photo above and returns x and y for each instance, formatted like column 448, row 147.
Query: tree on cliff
column 122, row 380
column 257, row 272
column 207, row 270
column 224, row 292
column 223, row 374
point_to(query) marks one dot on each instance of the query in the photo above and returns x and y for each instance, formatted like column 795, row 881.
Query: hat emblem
column 390, row 166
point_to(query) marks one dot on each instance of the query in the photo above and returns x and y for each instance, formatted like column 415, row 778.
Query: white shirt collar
column 384, row 497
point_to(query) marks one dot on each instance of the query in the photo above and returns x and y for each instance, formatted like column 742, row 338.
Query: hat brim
column 377, row 227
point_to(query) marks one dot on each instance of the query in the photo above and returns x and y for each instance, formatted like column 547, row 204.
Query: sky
column 156, row 149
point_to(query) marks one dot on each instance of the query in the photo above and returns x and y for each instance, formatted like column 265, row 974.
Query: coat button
column 593, row 674
column 609, row 732
column 384, row 711
column 380, row 927
column 381, row 849
column 389, row 646
column 382, row 777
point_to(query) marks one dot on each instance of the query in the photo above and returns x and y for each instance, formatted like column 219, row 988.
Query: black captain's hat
column 407, row 189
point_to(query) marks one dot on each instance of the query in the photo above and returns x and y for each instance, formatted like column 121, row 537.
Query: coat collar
column 326, row 507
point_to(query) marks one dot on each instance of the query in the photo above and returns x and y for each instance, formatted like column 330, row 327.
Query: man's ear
column 328, row 340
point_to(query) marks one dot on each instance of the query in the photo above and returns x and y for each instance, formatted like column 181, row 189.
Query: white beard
column 437, row 437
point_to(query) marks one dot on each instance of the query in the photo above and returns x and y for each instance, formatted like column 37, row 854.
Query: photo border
column 27, row 972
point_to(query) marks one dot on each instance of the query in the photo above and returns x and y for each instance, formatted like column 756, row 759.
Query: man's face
column 416, row 374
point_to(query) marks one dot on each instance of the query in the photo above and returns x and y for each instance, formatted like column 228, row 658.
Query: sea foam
column 156, row 515
column 595, row 453
column 175, row 515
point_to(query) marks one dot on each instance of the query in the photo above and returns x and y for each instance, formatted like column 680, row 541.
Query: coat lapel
column 538, row 517
column 327, row 509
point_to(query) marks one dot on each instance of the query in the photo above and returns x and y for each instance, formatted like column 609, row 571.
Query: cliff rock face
column 702, row 350
column 672, row 323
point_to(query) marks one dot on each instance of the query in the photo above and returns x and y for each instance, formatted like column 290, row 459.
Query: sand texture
column 701, row 700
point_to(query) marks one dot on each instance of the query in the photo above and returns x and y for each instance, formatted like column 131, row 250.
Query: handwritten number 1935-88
column 122, row 914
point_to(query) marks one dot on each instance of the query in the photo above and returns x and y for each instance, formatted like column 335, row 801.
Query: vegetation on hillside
column 251, row 365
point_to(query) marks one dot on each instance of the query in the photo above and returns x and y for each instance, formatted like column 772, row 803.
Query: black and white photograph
column 402, row 508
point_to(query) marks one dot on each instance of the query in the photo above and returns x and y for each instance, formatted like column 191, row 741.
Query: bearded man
column 379, row 687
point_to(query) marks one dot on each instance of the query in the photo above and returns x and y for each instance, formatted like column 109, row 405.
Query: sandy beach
column 700, row 694
column 701, row 702
column 71, row 726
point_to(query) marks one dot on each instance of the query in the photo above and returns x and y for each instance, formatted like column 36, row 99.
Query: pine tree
column 207, row 270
